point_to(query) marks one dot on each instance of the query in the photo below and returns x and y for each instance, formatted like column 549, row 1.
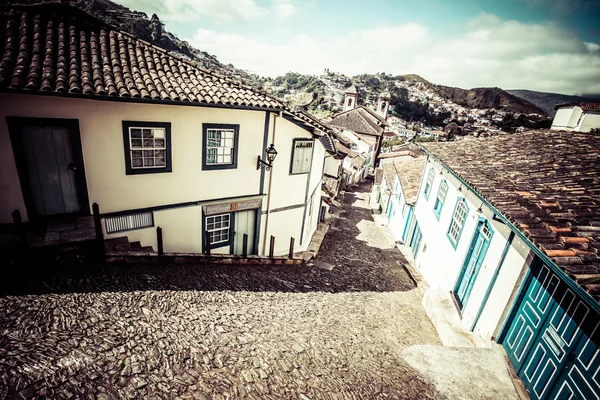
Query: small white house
column 576, row 117
column 509, row 226
column 89, row 114
column 399, row 190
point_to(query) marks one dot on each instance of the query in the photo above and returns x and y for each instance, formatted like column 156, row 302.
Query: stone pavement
column 70, row 329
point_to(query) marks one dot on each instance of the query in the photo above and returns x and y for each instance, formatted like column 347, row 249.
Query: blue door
column 553, row 340
column 415, row 241
column 473, row 261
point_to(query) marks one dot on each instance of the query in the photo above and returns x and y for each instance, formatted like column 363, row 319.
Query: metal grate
column 128, row 222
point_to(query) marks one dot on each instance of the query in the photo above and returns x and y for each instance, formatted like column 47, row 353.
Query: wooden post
column 245, row 248
column 272, row 247
column 207, row 243
column 19, row 228
column 98, row 228
column 159, row 240
column 291, row 255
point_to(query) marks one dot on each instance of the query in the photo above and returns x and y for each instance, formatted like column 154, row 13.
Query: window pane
column 136, row 153
column 136, row 133
column 136, row 162
column 158, row 143
column 148, row 153
column 159, row 133
column 136, row 143
column 148, row 142
column 148, row 162
column 147, row 133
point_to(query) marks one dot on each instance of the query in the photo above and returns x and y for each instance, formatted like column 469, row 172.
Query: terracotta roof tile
column 547, row 183
column 62, row 49
column 409, row 173
column 359, row 120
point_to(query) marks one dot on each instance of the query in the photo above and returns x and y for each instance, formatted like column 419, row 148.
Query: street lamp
column 271, row 154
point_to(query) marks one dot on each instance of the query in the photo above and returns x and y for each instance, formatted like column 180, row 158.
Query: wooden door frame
column 72, row 125
column 480, row 222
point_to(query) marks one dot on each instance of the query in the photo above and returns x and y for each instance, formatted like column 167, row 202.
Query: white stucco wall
column 440, row 264
column 562, row 117
column 332, row 165
column 100, row 124
column 589, row 121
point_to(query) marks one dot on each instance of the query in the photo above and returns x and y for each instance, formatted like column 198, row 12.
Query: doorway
column 50, row 165
column 245, row 223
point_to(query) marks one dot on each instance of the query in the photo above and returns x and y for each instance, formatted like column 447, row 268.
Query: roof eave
column 539, row 252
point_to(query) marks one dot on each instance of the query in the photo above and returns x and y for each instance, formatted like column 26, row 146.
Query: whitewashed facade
column 441, row 254
column 189, row 197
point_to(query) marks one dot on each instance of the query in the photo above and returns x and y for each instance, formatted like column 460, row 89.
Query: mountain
column 547, row 101
column 488, row 98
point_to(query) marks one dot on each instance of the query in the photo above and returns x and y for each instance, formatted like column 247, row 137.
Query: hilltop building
column 576, row 117
column 350, row 98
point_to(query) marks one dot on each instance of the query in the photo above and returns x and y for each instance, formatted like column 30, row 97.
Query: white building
column 577, row 117
column 509, row 227
column 153, row 140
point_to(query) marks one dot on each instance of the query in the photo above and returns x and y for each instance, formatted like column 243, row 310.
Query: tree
column 157, row 28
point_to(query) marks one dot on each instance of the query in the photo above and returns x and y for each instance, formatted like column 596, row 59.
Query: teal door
column 473, row 261
column 552, row 340
column 415, row 241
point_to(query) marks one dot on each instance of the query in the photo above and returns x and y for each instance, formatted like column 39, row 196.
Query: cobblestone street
column 291, row 332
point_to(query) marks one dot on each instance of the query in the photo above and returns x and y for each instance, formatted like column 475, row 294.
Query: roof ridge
column 111, row 27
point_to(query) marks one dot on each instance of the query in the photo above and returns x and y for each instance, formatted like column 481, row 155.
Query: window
column 301, row 156
column 458, row 221
column 218, row 226
column 121, row 223
column 220, row 143
column 147, row 147
column 429, row 182
column 441, row 197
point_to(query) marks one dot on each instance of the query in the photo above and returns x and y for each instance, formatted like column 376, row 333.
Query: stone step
column 110, row 244
column 123, row 247
column 146, row 249
column 135, row 245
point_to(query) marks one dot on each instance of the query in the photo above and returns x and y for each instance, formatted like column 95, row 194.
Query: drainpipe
column 269, row 192
column 493, row 281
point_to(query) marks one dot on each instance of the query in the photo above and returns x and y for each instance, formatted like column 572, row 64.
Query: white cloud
column 491, row 52
column 194, row 10
column 284, row 8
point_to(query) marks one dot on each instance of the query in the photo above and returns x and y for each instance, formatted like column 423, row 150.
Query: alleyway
column 222, row 331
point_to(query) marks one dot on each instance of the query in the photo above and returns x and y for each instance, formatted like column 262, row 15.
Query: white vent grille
column 128, row 222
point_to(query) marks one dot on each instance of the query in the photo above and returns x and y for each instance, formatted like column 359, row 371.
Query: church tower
column 350, row 98
column 383, row 104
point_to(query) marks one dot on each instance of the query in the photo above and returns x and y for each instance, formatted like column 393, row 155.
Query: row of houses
column 509, row 227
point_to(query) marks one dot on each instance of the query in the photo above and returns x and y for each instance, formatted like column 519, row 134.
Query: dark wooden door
column 50, row 169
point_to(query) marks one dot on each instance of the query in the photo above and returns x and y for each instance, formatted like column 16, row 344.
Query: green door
column 552, row 340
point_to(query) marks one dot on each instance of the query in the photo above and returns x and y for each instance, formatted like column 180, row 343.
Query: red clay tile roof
column 547, row 183
column 409, row 174
column 359, row 120
column 58, row 49
column 586, row 106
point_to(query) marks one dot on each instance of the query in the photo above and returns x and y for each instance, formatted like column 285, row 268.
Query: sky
column 544, row 45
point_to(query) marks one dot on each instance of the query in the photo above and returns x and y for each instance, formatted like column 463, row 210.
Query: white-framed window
column 147, row 146
column 302, row 150
column 441, row 197
column 220, row 146
column 218, row 226
column 429, row 182
column 458, row 221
